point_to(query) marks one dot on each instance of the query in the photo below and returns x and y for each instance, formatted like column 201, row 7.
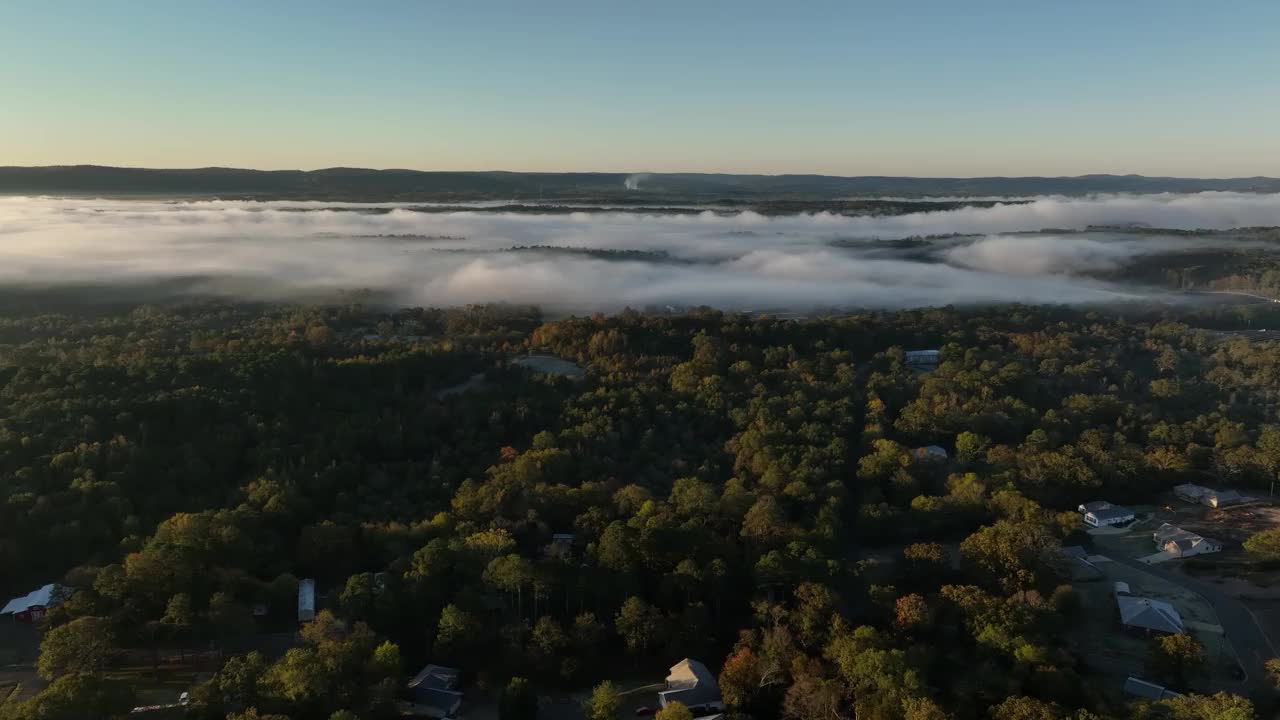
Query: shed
column 306, row 600
column 1151, row 691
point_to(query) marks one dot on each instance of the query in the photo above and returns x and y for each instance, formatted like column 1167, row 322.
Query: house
column 306, row 600
column 1143, row 689
column 561, row 546
column 1194, row 545
column 1189, row 492
column 434, row 693
column 1106, row 517
column 1182, row 543
column 930, row 452
column 1094, row 506
column 1220, row 498
column 1167, row 532
column 1208, row 496
column 692, row 684
column 32, row 607
column 922, row 359
column 1150, row 616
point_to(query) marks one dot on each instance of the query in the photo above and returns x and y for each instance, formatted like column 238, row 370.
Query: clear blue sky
column 912, row 88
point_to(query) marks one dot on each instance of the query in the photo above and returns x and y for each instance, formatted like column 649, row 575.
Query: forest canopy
column 713, row 487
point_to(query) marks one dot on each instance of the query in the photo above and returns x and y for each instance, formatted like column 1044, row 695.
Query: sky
column 924, row 88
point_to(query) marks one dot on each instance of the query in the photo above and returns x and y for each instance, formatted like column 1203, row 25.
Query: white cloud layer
column 739, row 261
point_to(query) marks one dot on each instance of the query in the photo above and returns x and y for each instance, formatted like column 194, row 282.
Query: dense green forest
column 725, row 479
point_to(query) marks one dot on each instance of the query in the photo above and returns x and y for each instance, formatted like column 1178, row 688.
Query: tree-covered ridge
column 724, row 477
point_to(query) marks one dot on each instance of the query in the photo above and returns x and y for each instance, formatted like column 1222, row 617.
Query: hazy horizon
column 624, row 172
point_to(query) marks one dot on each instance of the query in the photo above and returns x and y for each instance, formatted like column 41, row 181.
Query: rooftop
column 1150, row 690
column 436, row 677
column 690, row 683
column 44, row 597
column 1112, row 512
column 1149, row 614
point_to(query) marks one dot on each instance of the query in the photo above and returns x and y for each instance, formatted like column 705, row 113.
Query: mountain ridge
column 338, row 183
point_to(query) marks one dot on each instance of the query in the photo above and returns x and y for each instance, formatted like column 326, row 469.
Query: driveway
column 1238, row 624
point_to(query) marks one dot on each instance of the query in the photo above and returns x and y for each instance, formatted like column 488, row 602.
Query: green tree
column 386, row 661
column 83, row 646
column 518, row 701
column 458, row 633
column 1222, row 706
column 674, row 711
column 74, row 697
column 1021, row 707
column 1273, row 672
column 605, row 702
column 178, row 610
column 639, row 624
column 1265, row 544
column 234, row 687
column 1009, row 552
column 1175, row 658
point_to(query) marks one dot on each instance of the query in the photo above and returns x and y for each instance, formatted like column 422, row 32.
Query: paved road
column 1238, row 624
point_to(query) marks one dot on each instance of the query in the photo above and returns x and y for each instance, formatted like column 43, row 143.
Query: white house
column 1149, row 615
column 1182, row 543
column 1109, row 516
column 1196, row 545
column 693, row 685
column 922, row 359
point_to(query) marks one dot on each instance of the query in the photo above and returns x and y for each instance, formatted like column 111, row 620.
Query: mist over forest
column 1050, row 249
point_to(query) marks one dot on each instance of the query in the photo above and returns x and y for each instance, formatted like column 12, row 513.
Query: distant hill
column 364, row 184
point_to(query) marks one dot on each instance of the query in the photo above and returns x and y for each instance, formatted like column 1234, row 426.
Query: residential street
column 1238, row 624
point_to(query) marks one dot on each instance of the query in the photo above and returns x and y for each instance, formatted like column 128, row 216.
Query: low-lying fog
column 734, row 261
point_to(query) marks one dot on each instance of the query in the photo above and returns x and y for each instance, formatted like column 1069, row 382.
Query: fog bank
column 741, row 260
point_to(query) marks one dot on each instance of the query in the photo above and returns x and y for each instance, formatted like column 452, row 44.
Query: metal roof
column 44, row 597
column 1150, row 690
column 1111, row 513
column 1149, row 614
